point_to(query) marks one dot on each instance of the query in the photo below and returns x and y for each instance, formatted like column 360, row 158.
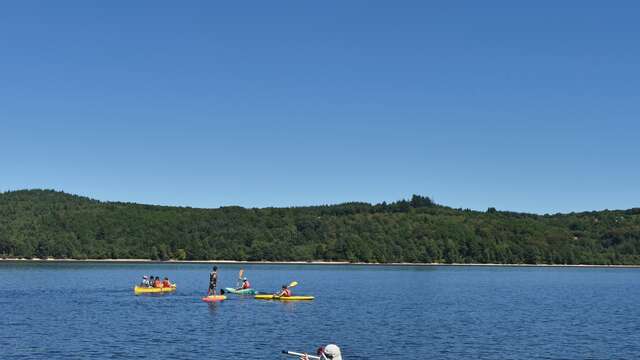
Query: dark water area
column 89, row 311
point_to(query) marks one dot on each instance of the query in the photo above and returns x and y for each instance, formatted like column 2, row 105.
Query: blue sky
column 206, row 104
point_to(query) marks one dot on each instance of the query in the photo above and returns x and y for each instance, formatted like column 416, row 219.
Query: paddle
column 240, row 273
column 293, row 353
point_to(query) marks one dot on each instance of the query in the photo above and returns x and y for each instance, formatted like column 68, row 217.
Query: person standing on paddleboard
column 213, row 281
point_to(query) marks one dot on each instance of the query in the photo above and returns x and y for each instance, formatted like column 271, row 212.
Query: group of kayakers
column 331, row 351
column 155, row 282
column 213, row 284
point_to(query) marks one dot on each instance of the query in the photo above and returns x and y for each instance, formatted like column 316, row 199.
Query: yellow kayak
column 284, row 298
column 152, row 290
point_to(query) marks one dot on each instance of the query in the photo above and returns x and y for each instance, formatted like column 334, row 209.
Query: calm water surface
column 88, row 311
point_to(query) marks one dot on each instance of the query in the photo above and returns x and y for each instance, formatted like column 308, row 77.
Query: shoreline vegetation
column 51, row 224
column 319, row 262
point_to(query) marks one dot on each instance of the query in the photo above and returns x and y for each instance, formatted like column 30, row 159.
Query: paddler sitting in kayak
column 157, row 283
column 145, row 282
column 245, row 284
column 166, row 283
column 285, row 292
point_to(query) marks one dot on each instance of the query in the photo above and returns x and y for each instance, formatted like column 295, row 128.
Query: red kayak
column 214, row 298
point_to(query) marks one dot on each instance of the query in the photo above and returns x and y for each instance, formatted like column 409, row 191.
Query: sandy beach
column 327, row 263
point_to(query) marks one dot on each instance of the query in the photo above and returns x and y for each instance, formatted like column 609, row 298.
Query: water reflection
column 213, row 307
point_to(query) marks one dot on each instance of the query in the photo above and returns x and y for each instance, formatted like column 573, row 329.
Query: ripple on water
column 390, row 313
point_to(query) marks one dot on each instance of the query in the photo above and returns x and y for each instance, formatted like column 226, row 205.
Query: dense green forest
column 46, row 223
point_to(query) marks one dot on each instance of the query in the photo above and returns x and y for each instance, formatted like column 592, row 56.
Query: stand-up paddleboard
column 214, row 298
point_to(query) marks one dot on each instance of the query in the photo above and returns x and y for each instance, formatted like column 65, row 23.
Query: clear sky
column 277, row 103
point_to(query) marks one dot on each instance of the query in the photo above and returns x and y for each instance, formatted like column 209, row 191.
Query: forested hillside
column 44, row 223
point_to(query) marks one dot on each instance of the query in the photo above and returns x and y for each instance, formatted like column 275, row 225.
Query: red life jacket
column 286, row 292
column 166, row 283
column 246, row 285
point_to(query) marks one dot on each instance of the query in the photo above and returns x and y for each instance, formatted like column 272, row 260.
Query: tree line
column 47, row 223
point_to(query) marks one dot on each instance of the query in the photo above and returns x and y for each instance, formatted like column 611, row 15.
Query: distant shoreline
column 327, row 263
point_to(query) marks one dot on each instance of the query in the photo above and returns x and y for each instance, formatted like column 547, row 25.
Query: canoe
column 214, row 298
column 284, row 298
column 241, row 292
column 148, row 290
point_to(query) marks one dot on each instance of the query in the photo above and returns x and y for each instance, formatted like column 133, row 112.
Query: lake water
column 89, row 311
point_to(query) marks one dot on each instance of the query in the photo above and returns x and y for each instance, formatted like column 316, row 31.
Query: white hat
column 333, row 351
